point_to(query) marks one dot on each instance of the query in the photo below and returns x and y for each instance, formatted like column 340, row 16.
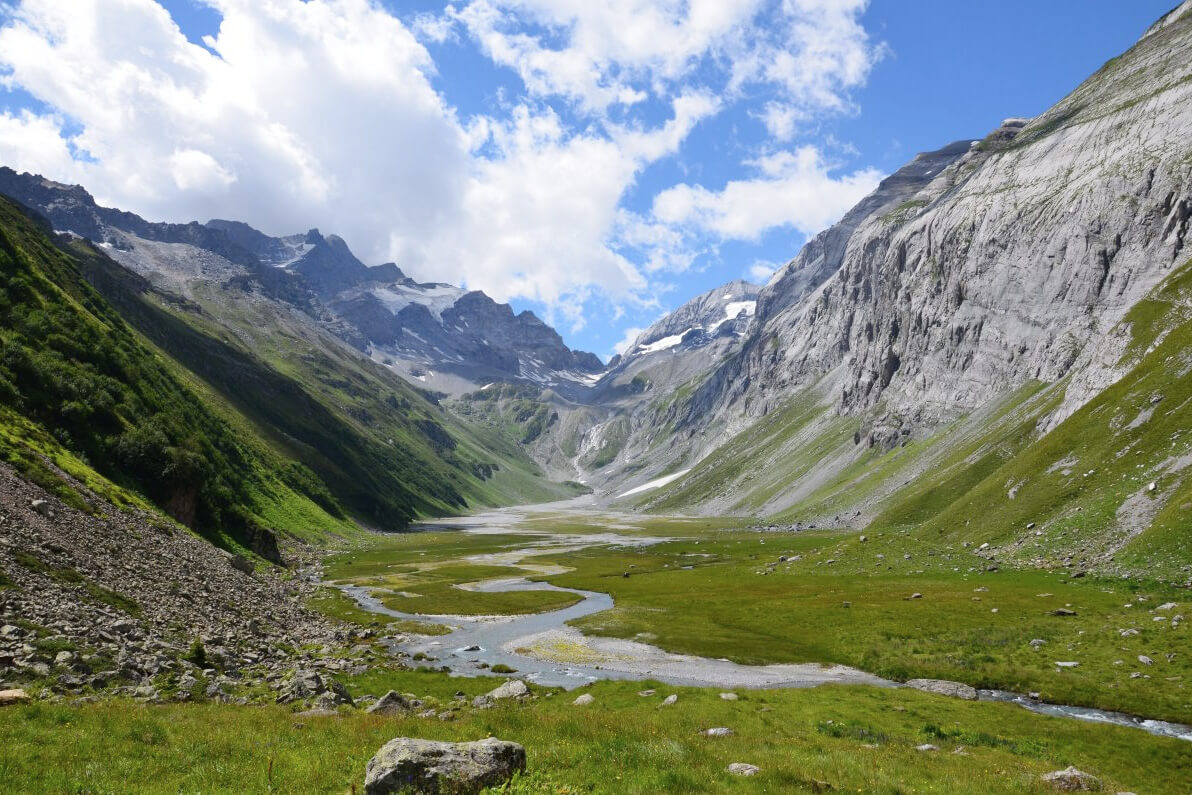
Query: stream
column 543, row 649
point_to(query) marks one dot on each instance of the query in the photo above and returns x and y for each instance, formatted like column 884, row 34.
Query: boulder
column 728, row 696
column 1071, row 780
column 718, row 731
column 583, row 700
column 514, row 688
column 671, row 699
column 944, row 688
column 743, row 769
column 9, row 697
column 405, row 764
column 392, row 703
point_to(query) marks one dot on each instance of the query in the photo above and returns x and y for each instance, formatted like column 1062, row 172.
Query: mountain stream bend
column 544, row 650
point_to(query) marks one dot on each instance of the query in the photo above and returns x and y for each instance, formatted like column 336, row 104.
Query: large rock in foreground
column 944, row 688
column 411, row 765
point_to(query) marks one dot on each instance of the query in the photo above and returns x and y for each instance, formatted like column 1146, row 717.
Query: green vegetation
column 432, row 567
column 69, row 363
column 837, row 600
column 845, row 739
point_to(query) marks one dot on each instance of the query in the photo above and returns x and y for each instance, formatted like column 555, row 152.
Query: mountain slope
column 446, row 337
column 79, row 389
column 958, row 322
column 230, row 437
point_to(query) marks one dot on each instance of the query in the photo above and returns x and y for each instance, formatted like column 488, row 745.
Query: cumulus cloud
column 795, row 190
column 627, row 341
column 618, row 52
column 325, row 113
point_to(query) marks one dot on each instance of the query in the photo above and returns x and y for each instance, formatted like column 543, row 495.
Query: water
column 476, row 644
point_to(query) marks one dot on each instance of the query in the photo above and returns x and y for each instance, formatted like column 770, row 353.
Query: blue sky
column 598, row 163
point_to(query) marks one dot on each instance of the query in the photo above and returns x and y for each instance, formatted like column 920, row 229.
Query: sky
column 599, row 163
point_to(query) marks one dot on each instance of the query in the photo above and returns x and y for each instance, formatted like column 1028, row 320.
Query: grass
column 846, row 739
column 716, row 591
column 333, row 603
column 425, row 568
column 737, row 600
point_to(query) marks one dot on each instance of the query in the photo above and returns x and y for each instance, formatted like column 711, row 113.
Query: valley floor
column 714, row 589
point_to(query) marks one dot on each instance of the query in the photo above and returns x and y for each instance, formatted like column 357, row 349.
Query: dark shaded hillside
column 70, row 364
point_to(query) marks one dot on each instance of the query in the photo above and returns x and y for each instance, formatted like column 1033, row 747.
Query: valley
column 914, row 515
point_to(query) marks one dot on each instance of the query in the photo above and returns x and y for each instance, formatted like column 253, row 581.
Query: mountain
column 986, row 301
column 233, row 412
column 443, row 336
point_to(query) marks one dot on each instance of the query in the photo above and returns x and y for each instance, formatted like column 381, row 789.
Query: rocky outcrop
column 405, row 764
column 944, row 688
column 980, row 267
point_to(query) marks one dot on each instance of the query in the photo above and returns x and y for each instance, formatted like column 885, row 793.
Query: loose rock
column 392, row 703
column 1071, row 780
column 743, row 769
column 424, row 766
column 944, row 688
column 584, row 700
column 514, row 688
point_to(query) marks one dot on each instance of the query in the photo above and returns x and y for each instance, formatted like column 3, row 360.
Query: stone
column 1067, row 664
column 41, row 506
column 1062, row 611
column 392, row 703
column 241, row 564
column 514, row 688
column 482, row 702
column 718, row 731
column 646, row 693
column 743, row 769
column 1167, row 606
column 728, row 696
column 916, row 596
column 406, row 764
column 15, row 696
column 671, row 699
column 944, row 687
column 926, row 747
column 1071, row 780
column 1142, row 658
column 1037, row 642
column 584, row 700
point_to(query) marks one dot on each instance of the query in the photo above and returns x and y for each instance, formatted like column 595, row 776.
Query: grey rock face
column 982, row 267
column 424, row 766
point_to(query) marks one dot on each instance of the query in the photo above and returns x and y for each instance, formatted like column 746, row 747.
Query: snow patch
column 662, row 344
column 655, row 484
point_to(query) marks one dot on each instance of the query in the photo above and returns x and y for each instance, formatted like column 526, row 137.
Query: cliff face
column 950, row 286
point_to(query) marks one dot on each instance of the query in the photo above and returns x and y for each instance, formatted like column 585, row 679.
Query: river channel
column 543, row 649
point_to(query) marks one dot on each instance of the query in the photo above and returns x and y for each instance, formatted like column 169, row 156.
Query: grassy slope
column 957, row 483
column 1072, row 482
column 385, row 450
column 83, row 391
column 850, row 739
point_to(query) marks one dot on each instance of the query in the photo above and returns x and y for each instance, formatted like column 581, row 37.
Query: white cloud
column 794, row 190
column 36, row 142
column 323, row 113
column 760, row 272
column 617, row 52
column 627, row 341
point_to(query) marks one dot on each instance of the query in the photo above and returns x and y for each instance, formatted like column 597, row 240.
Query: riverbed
column 544, row 650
